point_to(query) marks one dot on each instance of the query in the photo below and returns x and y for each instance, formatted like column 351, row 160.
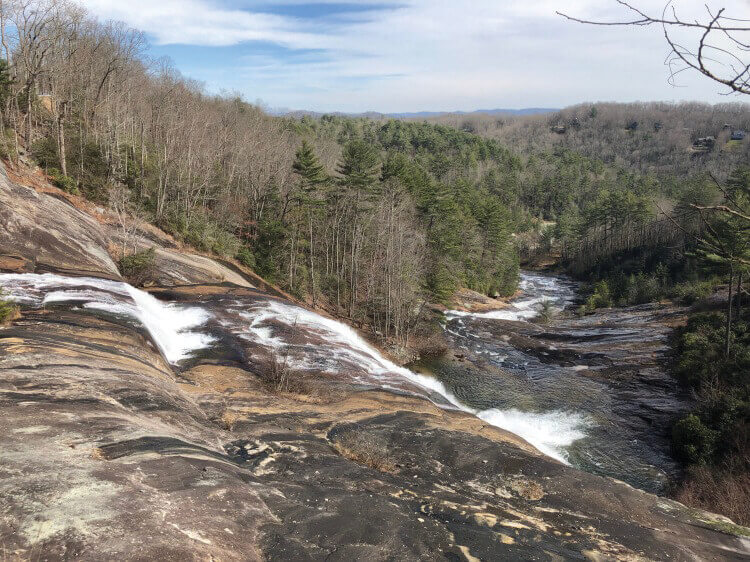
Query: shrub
column 278, row 376
column 139, row 266
column 693, row 442
column 66, row 183
column 8, row 310
column 365, row 448
column 246, row 257
column 723, row 491
column 691, row 292
column 699, row 349
column 44, row 151
column 205, row 234
column 600, row 298
column 7, row 144
column 643, row 289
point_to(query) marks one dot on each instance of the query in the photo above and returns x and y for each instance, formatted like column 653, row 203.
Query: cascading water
column 322, row 344
column 339, row 348
column 536, row 290
column 565, row 415
column 551, row 432
column 590, row 389
column 171, row 327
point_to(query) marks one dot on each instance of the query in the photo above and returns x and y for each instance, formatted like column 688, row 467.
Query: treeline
column 370, row 220
column 648, row 138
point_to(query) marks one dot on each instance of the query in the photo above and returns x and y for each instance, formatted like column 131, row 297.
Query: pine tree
column 311, row 172
column 360, row 172
column 726, row 244
column 360, row 166
column 312, row 176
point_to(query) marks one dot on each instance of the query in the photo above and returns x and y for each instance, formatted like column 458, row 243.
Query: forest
column 375, row 220
column 649, row 138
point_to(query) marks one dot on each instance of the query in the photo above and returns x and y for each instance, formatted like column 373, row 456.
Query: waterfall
column 549, row 432
column 336, row 348
column 171, row 327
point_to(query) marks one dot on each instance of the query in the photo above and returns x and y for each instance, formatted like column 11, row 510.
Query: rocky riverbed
column 592, row 390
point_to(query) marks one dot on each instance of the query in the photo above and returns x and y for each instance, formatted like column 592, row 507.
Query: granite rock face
column 42, row 231
column 39, row 232
column 106, row 452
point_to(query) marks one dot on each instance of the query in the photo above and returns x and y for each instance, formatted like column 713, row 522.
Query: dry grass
column 279, row 377
column 365, row 449
column 719, row 491
column 527, row 489
column 97, row 454
column 8, row 312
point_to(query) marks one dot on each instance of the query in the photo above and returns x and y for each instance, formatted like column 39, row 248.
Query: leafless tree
column 128, row 219
column 718, row 48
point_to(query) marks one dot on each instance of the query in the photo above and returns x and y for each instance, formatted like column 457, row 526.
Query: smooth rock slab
column 106, row 453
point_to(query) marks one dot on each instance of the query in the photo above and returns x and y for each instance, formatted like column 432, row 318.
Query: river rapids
column 550, row 385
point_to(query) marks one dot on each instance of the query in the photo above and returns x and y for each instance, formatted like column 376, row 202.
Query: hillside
column 661, row 143
column 297, row 114
column 117, row 430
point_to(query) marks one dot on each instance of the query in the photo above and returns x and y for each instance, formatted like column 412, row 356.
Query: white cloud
column 427, row 54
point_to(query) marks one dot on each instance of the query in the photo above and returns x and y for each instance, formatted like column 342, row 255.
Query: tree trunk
column 28, row 119
column 312, row 262
column 728, row 334
column 739, row 295
column 61, row 139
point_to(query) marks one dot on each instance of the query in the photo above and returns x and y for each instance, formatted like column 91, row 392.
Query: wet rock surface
column 108, row 452
column 608, row 370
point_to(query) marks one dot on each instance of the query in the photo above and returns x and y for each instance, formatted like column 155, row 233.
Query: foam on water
column 549, row 432
column 171, row 327
column 537, row 290
column 342, row 343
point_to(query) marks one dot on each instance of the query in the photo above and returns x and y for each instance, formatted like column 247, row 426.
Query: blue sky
column 411, row 55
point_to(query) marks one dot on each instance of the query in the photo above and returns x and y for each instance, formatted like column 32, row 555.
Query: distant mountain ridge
column 415, row 114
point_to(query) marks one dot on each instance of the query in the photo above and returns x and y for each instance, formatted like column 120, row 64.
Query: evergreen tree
column 312, row 176
column 360, row 171
column 726, row 244
column 311, row 172
column 360, row 166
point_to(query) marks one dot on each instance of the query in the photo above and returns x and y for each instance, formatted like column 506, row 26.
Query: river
column 592, row 391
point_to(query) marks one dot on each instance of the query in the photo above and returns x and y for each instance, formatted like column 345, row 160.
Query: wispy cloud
column 410, row 54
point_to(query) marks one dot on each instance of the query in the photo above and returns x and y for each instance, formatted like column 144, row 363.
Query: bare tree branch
column 733, row 72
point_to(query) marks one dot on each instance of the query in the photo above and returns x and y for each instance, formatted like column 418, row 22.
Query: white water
column 171, row 327
column 549, row 432
column 543, row 288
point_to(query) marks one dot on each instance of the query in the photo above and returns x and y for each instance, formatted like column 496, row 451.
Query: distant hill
column 428, row 114
column 414, row 115
column 658, row 138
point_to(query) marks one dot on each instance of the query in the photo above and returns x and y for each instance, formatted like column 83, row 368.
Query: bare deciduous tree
column 718, row 48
